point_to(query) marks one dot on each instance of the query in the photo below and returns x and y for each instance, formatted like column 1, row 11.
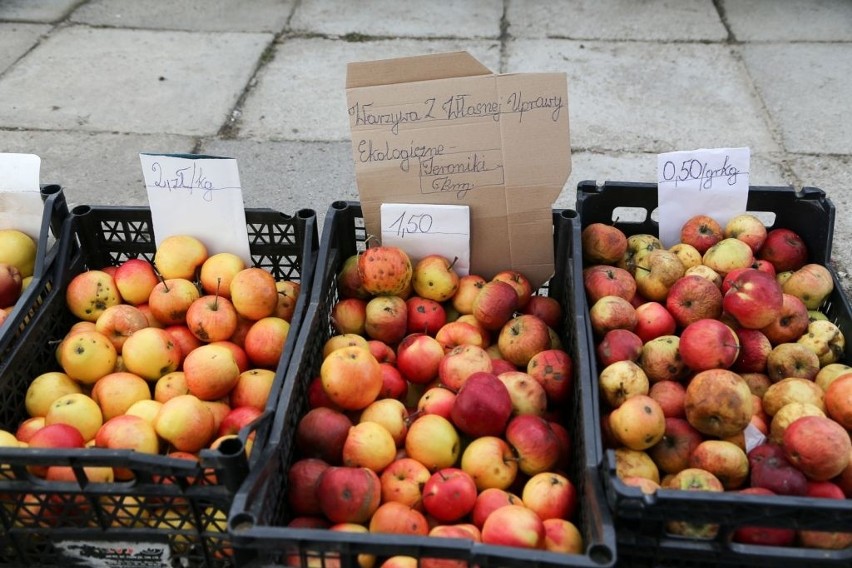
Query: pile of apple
column 438, row 409
column 717, row 369
column 169, row 357
column 17, row 263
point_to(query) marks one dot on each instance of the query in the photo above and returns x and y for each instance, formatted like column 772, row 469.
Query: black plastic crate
column 640, row 519
column 260, row 513
column 174, row 511
column 54, row 213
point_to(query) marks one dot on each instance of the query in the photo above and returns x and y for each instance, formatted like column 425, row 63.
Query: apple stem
column 453, row 263
column 640, row 267
column 216, row 301
column 412, row 416
column 371, row 238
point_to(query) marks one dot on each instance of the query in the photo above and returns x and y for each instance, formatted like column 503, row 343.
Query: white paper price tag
column 21, row 206
column 423, row 229
column 199, row 196
column 710, row 182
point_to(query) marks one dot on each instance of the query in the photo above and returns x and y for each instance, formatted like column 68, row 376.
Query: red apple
column 535, row 443
column 550, row 495
column 321, row 433
column 302, row 478
column 418, row 357
column 754, row 299
column 653, row 320
column 387, row 319
column 349, row 494
column 553, row 370
column 765, row 536
column 692, row 298
column 818, row 446
column 514, row 525
column 708, row 344
column 702, row 232
column 671, row 454
column 348, row 315
column 495, row 304
column 449, row 494
column 785, row 249
column 790, row 323
column 424, row 315
column 403, row 481
column 547, row 308
column 604, row 280
column 618, row 345
column 754, row 351
column 521, row 338
column 460, row 363
column 612, row 312
column 385, row 270
column 482, row 406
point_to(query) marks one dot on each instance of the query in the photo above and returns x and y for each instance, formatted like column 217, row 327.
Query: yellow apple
column 46, row 388
column 77, row 410
column 87, row 356
column 179, row 256
column 19, row 250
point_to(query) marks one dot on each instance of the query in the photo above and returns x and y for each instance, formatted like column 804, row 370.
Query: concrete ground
column 88, row 84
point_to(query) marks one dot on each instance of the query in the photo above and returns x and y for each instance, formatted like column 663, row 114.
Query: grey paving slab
column 289, row 176
column 651, row 97
column 16, row 40
column 789, row 20
column 301, row 94
column 36, row 10
column 391, row 18
column 94, row 168
column 189, row 15
column 806, row 89
column 130, row 80
column 686, row 20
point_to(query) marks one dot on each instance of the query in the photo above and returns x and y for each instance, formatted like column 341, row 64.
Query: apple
column 469, row 287
column 635, row 463
column 11, row 285
column 602, row 243
column 179, row 256
column 656, row 273
column 385, row 270
column 87, row 356
column 688, row 255
column 455, row 333
column 661, row 359
column 349, row 281
column 252, row 388
column 345, row 340
column 116, row 392
column 321, row 433
column 210, row 372
column 790, row 324
column 145, row 408
column 830, row 373
column 618, row 345
column 218, row 271
column 383, row 352
column 670, row 395
column 551, row 495
column 812, row 283
column 18, row 249
column 186, row 423
column 394, row 384
column 89, row 293
column 54, row 436
column 461, row 362
column 254, row 293
column 46, row 388
column 672, row 453
column 211, row 318
column 545, row 307
column 303, row 476
column 792, row 360
column 818, row 446
column 348, row 315
column 482, row 406
column 754, row 299
column 708, row 344
column 236, row 419
column 135, row 278
column 826, row 340
column 755, row 348
column 488, row 501
column 170, row 299
column 120, row 322
column 437, row 400
column 765, row 536
column 604, row 280
column 418, row 358
column 653, row 320
column 459, row 531
column 785, row 249
column 370, row 445
column 718, row 403
column 514, row 525
column 521, row 284
column 692, row 298
column 348, row 494
column 424, row 316
column 170, row 385
column 266, row 340
column 351, row 377
column 434, row 278
column 838, row 400
column 449, row 494
column 723, row 459
column 747, row 228
column 771, row 470
column 30, row 426
column 403, row 481
column 534, row 442
column 612, row 312
column 562, row 536
column 638, row 246
column 694, row 479
column 622, row 380
column 77, row 410
column 128, row 432
column 386, row 319
column 638, row 423
column 701, row 232
column 394, row 517
column 792, row 389
column 495, row 304
column 490, row 462
column 528, row 396
column 521, row 338
column 553, row 369
column 433, row 441
column 705, row 272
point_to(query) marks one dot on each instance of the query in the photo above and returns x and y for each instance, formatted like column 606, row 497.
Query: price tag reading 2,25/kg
column 423, row 229
column 711, row 182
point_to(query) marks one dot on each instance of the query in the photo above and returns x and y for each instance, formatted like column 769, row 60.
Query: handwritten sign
column 442, row 129
column 710, row 182
column 421, row 230
column 21, row 206
column 199, row 196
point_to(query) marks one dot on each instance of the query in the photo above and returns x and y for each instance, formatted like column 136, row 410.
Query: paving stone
column 189, row 15
column 301, row 93
column 789, row 20
column 16, row 40
column 130, row 80
column 36, row 10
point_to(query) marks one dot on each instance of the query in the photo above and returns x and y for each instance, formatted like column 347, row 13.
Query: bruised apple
column 718, row 403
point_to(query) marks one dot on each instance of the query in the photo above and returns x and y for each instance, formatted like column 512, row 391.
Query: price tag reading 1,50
column 711, row 182
column 423, row 229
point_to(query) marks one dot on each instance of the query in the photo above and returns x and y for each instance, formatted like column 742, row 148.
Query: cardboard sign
column 444, row 129
column 421, row 229
column 711, row 182
column 21, row 206
column 199, row 196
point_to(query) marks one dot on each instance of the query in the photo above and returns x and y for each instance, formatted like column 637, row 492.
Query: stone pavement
column 88, row 84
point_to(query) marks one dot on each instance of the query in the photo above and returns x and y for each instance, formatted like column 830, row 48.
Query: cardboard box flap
column 499, row 144
column 413, row 69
